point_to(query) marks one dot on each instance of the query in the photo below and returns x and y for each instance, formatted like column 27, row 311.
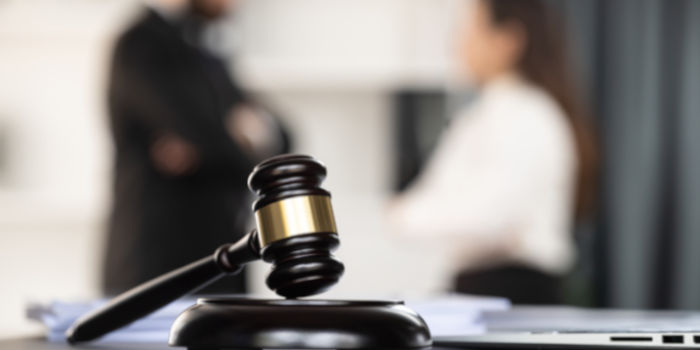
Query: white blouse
column 500, row 184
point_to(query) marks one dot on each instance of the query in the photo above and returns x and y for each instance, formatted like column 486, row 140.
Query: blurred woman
column 515, row 166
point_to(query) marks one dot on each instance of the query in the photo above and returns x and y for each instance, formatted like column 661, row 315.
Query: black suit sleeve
column 158, row 96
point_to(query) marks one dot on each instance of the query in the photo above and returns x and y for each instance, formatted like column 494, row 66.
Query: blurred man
column 186, row 137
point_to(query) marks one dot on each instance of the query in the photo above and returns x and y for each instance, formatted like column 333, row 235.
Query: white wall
column 54, row 188
column 340, row 44
column 328, row 65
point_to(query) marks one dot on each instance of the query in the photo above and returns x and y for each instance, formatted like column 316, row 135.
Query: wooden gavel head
column 296, row 226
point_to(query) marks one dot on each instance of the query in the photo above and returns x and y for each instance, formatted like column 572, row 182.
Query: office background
column 343, row 101
column 641, row 64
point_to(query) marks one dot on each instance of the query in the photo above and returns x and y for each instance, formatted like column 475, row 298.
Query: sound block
column 235, row 323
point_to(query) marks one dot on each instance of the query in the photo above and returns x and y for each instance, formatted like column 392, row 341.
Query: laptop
column 566, row 327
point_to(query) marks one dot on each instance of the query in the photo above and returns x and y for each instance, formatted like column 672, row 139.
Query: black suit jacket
column 159, row 83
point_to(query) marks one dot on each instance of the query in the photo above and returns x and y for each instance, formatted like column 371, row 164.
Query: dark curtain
column 640, row 62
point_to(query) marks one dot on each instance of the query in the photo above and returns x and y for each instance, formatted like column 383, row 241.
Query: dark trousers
column 521, row 285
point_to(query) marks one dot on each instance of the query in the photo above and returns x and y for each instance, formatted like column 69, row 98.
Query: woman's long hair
column 545, row 62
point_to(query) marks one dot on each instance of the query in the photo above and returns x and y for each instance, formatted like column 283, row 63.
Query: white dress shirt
column 500, row 184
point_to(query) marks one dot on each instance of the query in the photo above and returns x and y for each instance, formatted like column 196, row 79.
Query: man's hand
column 174, row 156
column 253, row 130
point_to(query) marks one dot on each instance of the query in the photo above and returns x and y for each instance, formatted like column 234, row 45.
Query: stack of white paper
column 58, row 316
column 445, row 315
column 457, row 314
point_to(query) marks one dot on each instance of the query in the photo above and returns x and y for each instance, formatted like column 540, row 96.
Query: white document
column 445, row 315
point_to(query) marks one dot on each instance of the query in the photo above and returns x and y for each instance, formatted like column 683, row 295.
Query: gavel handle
column 156, row 293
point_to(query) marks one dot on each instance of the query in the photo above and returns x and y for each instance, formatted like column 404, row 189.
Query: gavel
column 296, row 232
